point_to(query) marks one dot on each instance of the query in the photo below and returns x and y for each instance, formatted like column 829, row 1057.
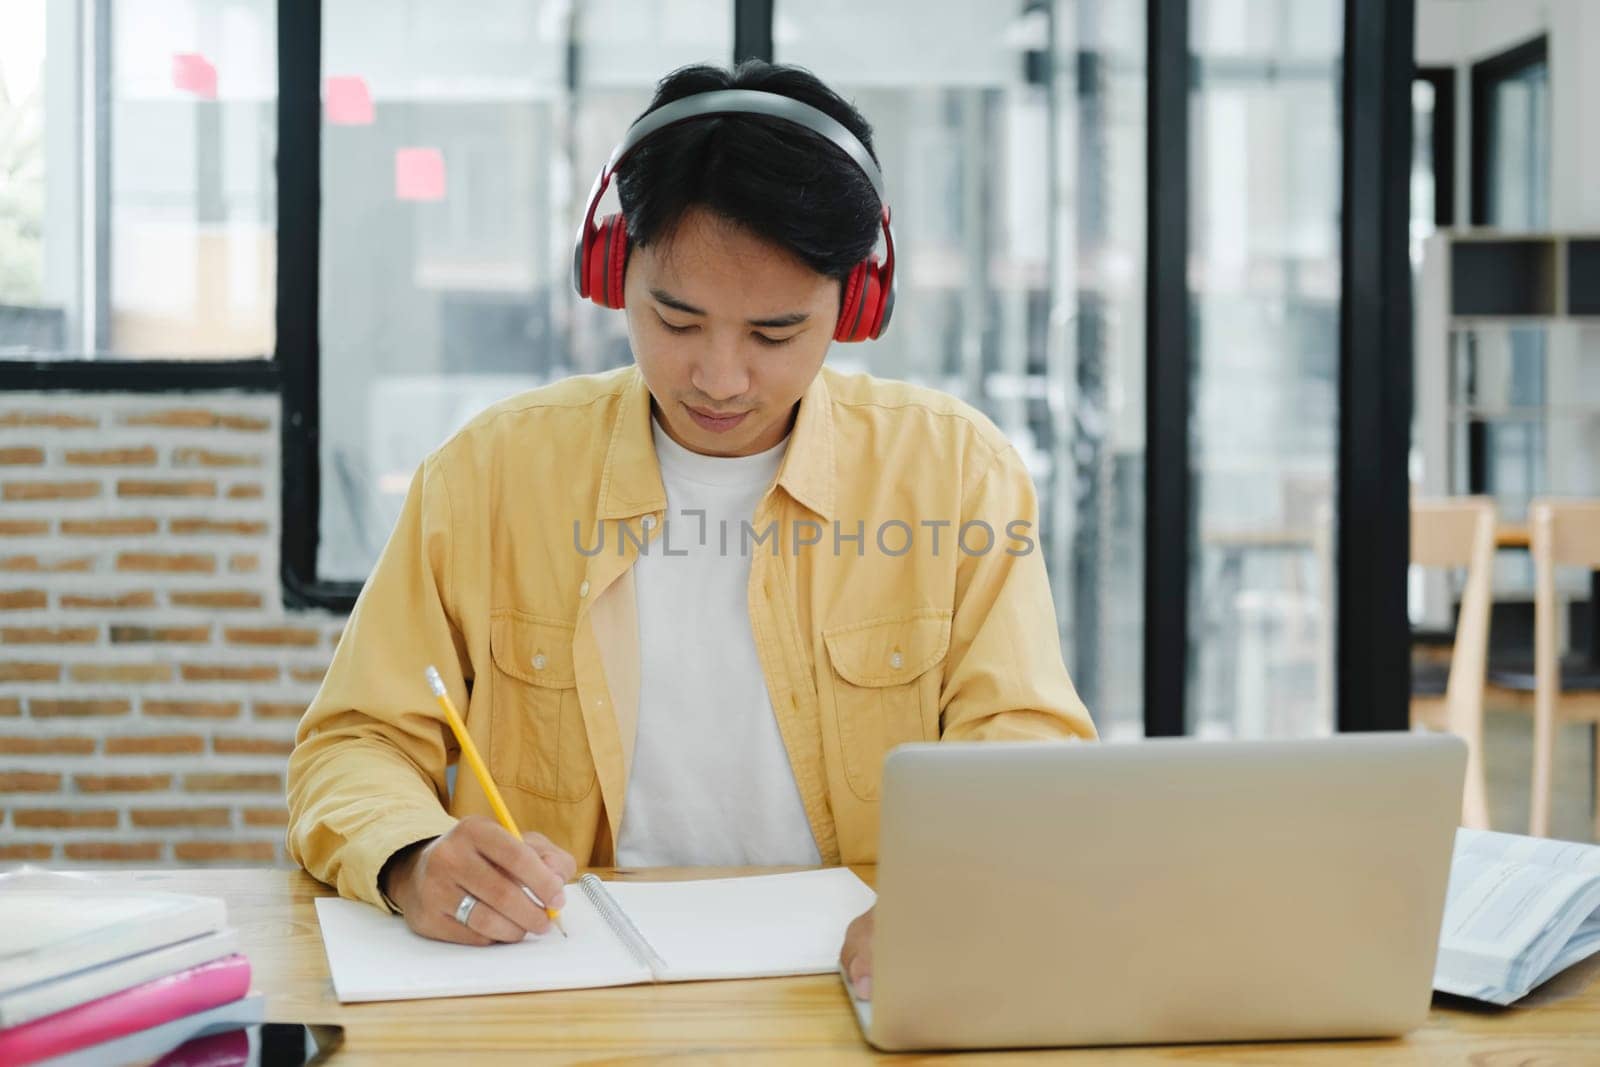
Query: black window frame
column 1372, row 636
column 1373, row 516
column 1442, row 141
column 299, row 307
column 1486, row 75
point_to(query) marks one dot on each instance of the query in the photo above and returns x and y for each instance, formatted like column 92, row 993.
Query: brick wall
column 150, row 678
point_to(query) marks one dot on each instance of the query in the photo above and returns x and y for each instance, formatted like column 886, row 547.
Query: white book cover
column 48, row 933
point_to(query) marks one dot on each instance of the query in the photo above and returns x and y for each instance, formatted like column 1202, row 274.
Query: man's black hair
column 782, row 182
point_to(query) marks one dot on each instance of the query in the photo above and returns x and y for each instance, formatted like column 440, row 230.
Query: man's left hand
column 856, row 956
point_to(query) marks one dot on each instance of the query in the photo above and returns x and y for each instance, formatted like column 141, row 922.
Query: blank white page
column 375, row 956
column 758, row 927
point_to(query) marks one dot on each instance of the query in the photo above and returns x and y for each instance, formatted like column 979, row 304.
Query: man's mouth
column 716, row 422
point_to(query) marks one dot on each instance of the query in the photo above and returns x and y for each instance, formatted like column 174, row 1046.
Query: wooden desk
column 790, row 1020
column 1512, row 535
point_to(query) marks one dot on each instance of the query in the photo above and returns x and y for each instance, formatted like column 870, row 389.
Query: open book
column 621, row 933
column 1518, row 912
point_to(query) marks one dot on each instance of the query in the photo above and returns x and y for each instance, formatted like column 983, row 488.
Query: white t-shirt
column 711, row 783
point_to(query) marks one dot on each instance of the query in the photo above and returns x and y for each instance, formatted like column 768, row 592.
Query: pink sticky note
column 418, row 174
column 193, row 74
column 347, row 102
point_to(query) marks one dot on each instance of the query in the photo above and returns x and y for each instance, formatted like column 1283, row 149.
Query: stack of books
column 95, row 976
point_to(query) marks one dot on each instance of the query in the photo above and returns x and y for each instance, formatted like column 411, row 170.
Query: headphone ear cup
column 886, row 294
column 850, row 304
column 862, row 314
column 592, row 255
column 619, row 261
column 871, row 302
column 603, row 258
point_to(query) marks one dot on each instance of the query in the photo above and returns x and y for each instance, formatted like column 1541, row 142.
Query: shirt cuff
column 385, row 843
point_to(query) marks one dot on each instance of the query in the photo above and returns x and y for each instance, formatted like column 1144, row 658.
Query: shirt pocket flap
column 533, row 649
column 889, row 651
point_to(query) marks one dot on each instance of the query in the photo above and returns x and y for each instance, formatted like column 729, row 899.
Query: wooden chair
column 1562, row 533
column 1458, row 532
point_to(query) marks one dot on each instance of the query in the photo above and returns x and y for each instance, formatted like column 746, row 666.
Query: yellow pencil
column 475, row 761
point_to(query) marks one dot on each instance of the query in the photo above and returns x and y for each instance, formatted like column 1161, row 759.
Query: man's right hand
column 479, row 857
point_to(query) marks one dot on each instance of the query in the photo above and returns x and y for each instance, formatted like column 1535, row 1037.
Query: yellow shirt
column 897, row 593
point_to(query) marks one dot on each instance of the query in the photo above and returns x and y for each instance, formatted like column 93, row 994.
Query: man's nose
column 720, row 373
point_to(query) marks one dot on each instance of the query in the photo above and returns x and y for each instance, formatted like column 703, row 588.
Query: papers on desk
column 621, row 933
column 1518, row 912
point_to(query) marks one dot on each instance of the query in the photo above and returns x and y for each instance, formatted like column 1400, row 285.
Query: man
column 687, row 607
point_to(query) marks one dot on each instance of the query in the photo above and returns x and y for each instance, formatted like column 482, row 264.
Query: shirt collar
column 631, row 483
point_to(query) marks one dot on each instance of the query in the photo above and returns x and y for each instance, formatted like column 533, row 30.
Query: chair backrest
column 1447, row 532
column 1561, row 533
column 1569, row 531
column 1459, row 532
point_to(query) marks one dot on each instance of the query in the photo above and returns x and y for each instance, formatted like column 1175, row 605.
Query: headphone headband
column 751, row 102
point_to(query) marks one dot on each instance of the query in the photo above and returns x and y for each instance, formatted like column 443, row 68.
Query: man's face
column 728, row 331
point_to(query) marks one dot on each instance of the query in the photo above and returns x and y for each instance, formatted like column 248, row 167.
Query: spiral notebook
column 621, row 933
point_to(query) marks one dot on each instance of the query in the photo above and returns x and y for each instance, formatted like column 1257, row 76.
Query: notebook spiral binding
column 621, row 925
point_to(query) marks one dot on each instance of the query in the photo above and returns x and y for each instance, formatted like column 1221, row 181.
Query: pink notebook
column 149, row 1004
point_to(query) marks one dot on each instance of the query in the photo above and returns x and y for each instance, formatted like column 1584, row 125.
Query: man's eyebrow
column 663, row 297
column 793, row 318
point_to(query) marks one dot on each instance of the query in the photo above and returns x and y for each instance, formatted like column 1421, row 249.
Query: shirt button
column 539, row 662
column 896, row 661
column 649, row 523
column 583, row 589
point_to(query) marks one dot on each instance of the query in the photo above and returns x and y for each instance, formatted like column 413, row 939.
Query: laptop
column 1162, row 891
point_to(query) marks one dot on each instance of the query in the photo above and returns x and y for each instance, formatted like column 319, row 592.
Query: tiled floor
column 1508, row 755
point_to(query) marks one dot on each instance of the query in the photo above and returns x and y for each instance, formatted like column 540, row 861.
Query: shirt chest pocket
column 540, row 743
column 885, row 678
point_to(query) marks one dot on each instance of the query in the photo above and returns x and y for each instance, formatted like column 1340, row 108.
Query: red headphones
column 601, row 250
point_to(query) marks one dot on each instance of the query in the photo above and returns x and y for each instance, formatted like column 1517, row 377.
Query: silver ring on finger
column 464, row 909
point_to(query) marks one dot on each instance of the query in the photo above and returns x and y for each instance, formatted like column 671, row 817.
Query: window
column 386, row 203
column 137, row 217
column 1265, row 279
column 1012, row 142
column 455, row 156
column 1511, row 138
